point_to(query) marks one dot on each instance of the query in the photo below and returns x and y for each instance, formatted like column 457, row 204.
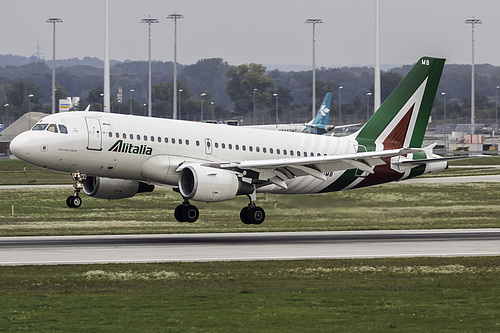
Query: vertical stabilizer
column 402, row 119
column 319, row 123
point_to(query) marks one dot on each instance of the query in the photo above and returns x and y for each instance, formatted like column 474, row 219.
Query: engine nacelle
column 210, row 184
column 109, row 188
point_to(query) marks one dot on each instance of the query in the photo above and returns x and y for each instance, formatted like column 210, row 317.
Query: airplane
column 114, row 156
column 318, row 125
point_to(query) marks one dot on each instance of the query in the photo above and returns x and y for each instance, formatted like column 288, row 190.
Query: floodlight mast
column 472, row 22
column 175, row 17
column 314, row 21
column 54, row 20
column 149, row 21
column 106, row 89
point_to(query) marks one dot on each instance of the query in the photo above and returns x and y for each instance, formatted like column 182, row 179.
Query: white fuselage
column 151, row 149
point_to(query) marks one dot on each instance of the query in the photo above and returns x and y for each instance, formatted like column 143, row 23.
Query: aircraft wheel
column 190, row 213
column 73, row 201
column 178, row 212
column 256, row 215
column 244, row 215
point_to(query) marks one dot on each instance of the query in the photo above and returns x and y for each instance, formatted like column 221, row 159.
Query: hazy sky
column 260, row 31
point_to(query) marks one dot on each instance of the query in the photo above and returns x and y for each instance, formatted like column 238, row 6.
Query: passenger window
column 131, row 137
column 173, row 140
column 257, row 149
column 237, row 147
column 284, row 151
column 180, row 141
column 216, row 145
column 264, row 150
column 250, row 148
column 145, row 138
column 63, row 129
column 124, row 135
column 166, row 140
column 198, row 143
column 110, row 134
column 117, row 135
column 187, row 142
column 270, row 150
column 223, row 146
column 159, row 139
column 244, row 148
column 230, row 146
column 152, row 138
column 52, row 128
column 277, row 151
column 305, row 154
column 298, row 153
column 138, row 137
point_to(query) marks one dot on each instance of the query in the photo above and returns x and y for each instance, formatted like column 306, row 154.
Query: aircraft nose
column 21, row 145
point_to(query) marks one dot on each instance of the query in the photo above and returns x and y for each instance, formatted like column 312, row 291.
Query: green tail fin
column 402, row 119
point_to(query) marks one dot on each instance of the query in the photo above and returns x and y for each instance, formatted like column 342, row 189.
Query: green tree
column 242, row 80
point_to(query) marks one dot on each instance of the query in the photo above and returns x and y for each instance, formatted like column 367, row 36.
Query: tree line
column 236, row 92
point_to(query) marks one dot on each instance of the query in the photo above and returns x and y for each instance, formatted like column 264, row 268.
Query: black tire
column 190, row 213
column 178, row 213
column 256, row 215
column 244, row 215
column 73, row 201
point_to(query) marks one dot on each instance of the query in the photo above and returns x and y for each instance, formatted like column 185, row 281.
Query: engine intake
column 109, row 188
column 210, row 184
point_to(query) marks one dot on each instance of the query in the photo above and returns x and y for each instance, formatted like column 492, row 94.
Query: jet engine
column 210, row 184
column 109, row 188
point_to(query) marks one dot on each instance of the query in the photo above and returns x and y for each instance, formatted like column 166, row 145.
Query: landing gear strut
column 74, row 201
column 252, row 214
column 186, row 212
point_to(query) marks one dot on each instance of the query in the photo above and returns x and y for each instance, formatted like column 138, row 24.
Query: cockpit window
column 39, row 127
column 63, row 129
column 52, row 128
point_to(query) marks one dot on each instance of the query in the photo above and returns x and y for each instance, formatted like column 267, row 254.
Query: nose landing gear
column 74, row 201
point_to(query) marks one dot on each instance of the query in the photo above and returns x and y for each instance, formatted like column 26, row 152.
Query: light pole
column 201, row 98
column 314, row 22
column 254, row 90
column 130, row 99
column 368, row 105
column 175, row 17
column 29, row 111
column 496, row 104
column 444, row 125
column 107, row 75
column 54, row 20
column 472, row 22
column 377, row 97
column 179, row 100
column 102, row 95
column 276, row 95
column 212, row 104
column 149, row 21
column 5, row 115
column 340, row 103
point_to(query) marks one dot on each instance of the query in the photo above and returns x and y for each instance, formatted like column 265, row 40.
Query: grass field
column 378, row 295
column 375, row 295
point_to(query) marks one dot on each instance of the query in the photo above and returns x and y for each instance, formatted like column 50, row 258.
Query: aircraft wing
column 278, row 171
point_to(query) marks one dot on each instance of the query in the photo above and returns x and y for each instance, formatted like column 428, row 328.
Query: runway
column 248, row 246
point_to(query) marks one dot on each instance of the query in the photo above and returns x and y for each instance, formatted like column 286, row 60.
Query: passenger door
column 94, row 134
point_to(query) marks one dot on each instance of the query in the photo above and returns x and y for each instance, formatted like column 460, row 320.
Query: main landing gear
column 74, row 201
column 186, row 212
column 251, row 214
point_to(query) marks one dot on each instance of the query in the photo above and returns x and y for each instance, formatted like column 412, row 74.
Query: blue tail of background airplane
column 319, row 123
